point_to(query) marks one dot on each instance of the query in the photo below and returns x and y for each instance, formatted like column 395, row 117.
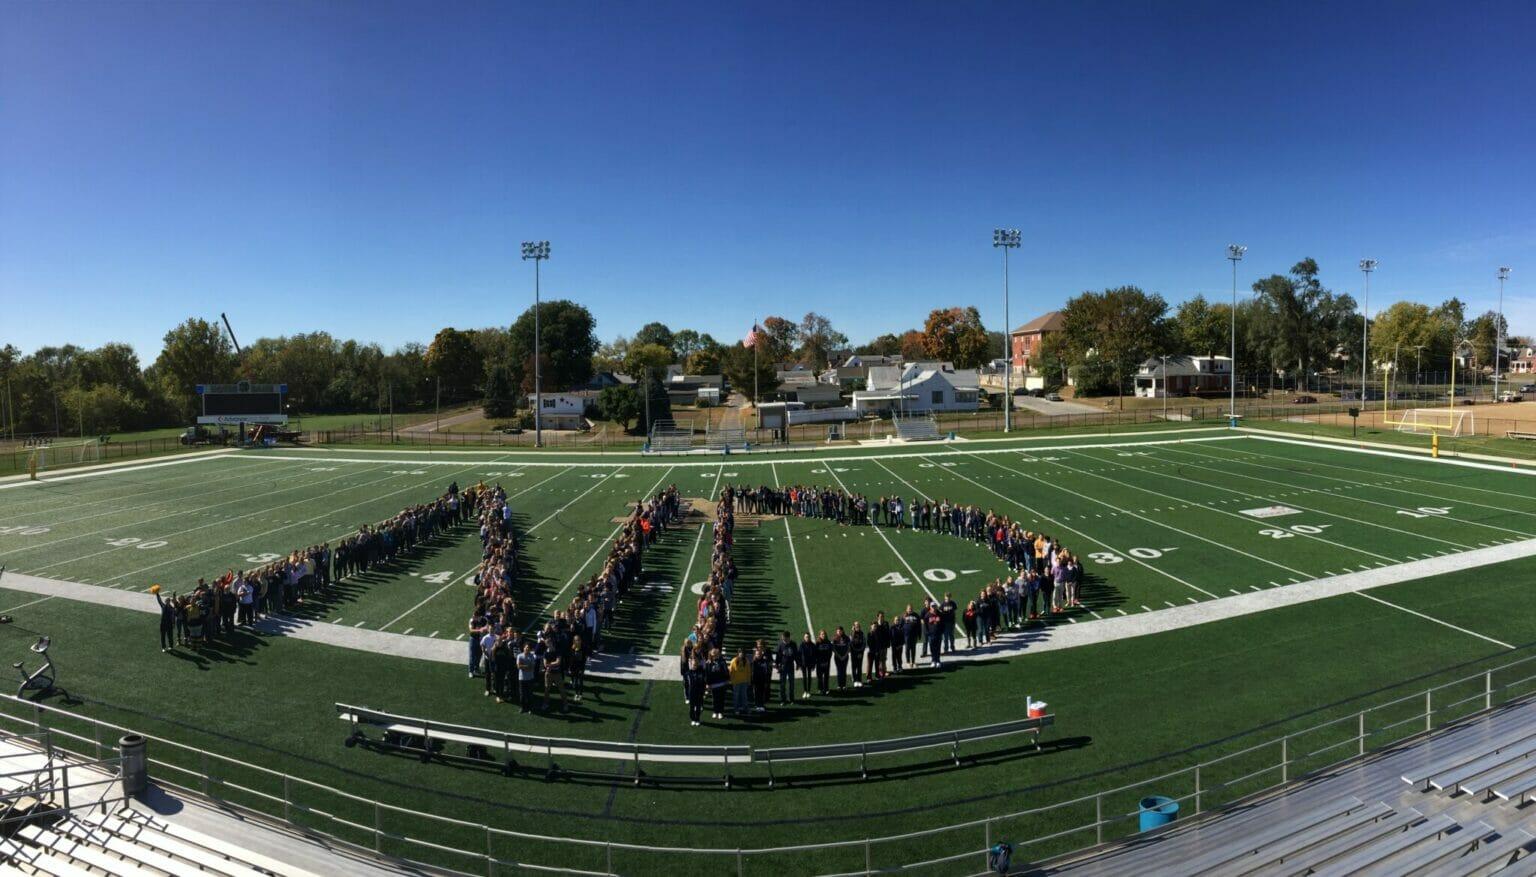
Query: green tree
column 817, row 340
column 619, row 403
column 659, row 406
column 778, row 340
column 882, row 345
column 1482, row 334
column 687, row 342
column 956, row 335
column 644, row 359
column 655, row 333
column 453, row 360
column 1109, row 334
column 752, row 381
column 1202, row 328
column 195, row 352
column 501, row 396
column 1413, row 333
column 610, row 357
column 566, row 345
column 1303, row 322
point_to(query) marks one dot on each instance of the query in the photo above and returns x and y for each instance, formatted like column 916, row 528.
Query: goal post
column 1435, row 421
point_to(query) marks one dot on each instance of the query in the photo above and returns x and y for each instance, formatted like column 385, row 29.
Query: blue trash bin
column 1157, row 811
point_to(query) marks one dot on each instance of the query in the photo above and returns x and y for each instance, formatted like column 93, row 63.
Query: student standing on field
column 840, row 650
column 807, row 660
column 785, row 656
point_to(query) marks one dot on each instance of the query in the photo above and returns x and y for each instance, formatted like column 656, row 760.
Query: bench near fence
column 426, row 737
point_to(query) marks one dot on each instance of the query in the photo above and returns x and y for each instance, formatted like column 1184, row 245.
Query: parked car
column 1510, row 396
column 1304, row 400
column 1053, row 397
column 1528, row 388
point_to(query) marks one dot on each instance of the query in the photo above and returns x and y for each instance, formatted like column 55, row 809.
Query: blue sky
column 369, row 168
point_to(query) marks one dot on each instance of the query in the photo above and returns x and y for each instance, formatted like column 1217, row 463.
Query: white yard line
column 1416, row 493
column 472, row 570
column 134, row 501
column 1057, row 521
column 683, row 586
column 1435, row 620
column 789, row 536
column 600, row 546
column 1292, row 486
column 880, row 531
column 1207, row 506
column 265, row 510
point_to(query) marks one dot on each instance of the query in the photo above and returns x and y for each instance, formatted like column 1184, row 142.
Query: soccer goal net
column 1441, row 421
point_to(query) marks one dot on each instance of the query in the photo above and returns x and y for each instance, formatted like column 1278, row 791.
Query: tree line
column 1291, row 326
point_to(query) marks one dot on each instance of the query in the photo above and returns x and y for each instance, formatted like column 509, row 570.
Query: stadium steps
column 915, row 429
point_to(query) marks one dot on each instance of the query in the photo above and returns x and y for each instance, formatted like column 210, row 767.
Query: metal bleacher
column 915, row 427
column 1448, row 803
column 671, row 437
column 728, row 434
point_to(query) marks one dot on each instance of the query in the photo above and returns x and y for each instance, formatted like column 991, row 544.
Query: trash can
column 135, row 765
column 1157, row 811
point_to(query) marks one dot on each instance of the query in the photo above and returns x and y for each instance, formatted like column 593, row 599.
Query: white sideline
column 1380, row 449
column 917, row 452
column 76, row 472
column 1067, row 636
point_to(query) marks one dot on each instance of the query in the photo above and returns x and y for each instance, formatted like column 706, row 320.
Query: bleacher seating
column 1459, row 813
column 915, row 427
column 670, row 436
column 728, row 434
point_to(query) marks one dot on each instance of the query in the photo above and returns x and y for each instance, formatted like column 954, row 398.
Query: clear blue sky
column 369, row 168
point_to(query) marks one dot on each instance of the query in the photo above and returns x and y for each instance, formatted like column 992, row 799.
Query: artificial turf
column 1164, row 519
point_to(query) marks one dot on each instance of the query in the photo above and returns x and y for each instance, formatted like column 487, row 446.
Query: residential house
column 854, row 372
column 1026, row 341
column 918, row 387
column 564, row 410
column 1184, row 376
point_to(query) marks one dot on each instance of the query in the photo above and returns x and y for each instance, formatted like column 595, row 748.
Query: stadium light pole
column 1164, row 358
column 1366, row 267
column 537, row 251
column 1235, row 254
column 1006, row 239
column 1498, row 344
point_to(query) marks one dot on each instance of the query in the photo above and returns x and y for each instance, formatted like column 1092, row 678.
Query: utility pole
column 391, row 412
column 1498, row 343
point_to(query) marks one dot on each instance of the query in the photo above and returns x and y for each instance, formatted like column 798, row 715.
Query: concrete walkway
column 1039, row 639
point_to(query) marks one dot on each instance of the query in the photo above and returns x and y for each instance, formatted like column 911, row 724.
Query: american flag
column 752, row 336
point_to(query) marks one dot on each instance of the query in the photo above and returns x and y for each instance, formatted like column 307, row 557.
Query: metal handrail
column 209, row 782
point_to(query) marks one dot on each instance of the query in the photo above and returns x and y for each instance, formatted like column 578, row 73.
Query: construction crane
column 231, row 329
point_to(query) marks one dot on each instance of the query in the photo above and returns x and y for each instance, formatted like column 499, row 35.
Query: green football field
column 1328, row 573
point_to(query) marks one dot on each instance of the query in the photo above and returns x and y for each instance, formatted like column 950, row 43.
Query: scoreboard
column 244, row 402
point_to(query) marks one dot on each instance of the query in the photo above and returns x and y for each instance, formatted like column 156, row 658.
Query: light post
column 1498, row 344
column 538, row 251
column 1418, row 368
column 1235, row 254
column 1366, row 266
column 1006, row 239
column 1164, row 358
